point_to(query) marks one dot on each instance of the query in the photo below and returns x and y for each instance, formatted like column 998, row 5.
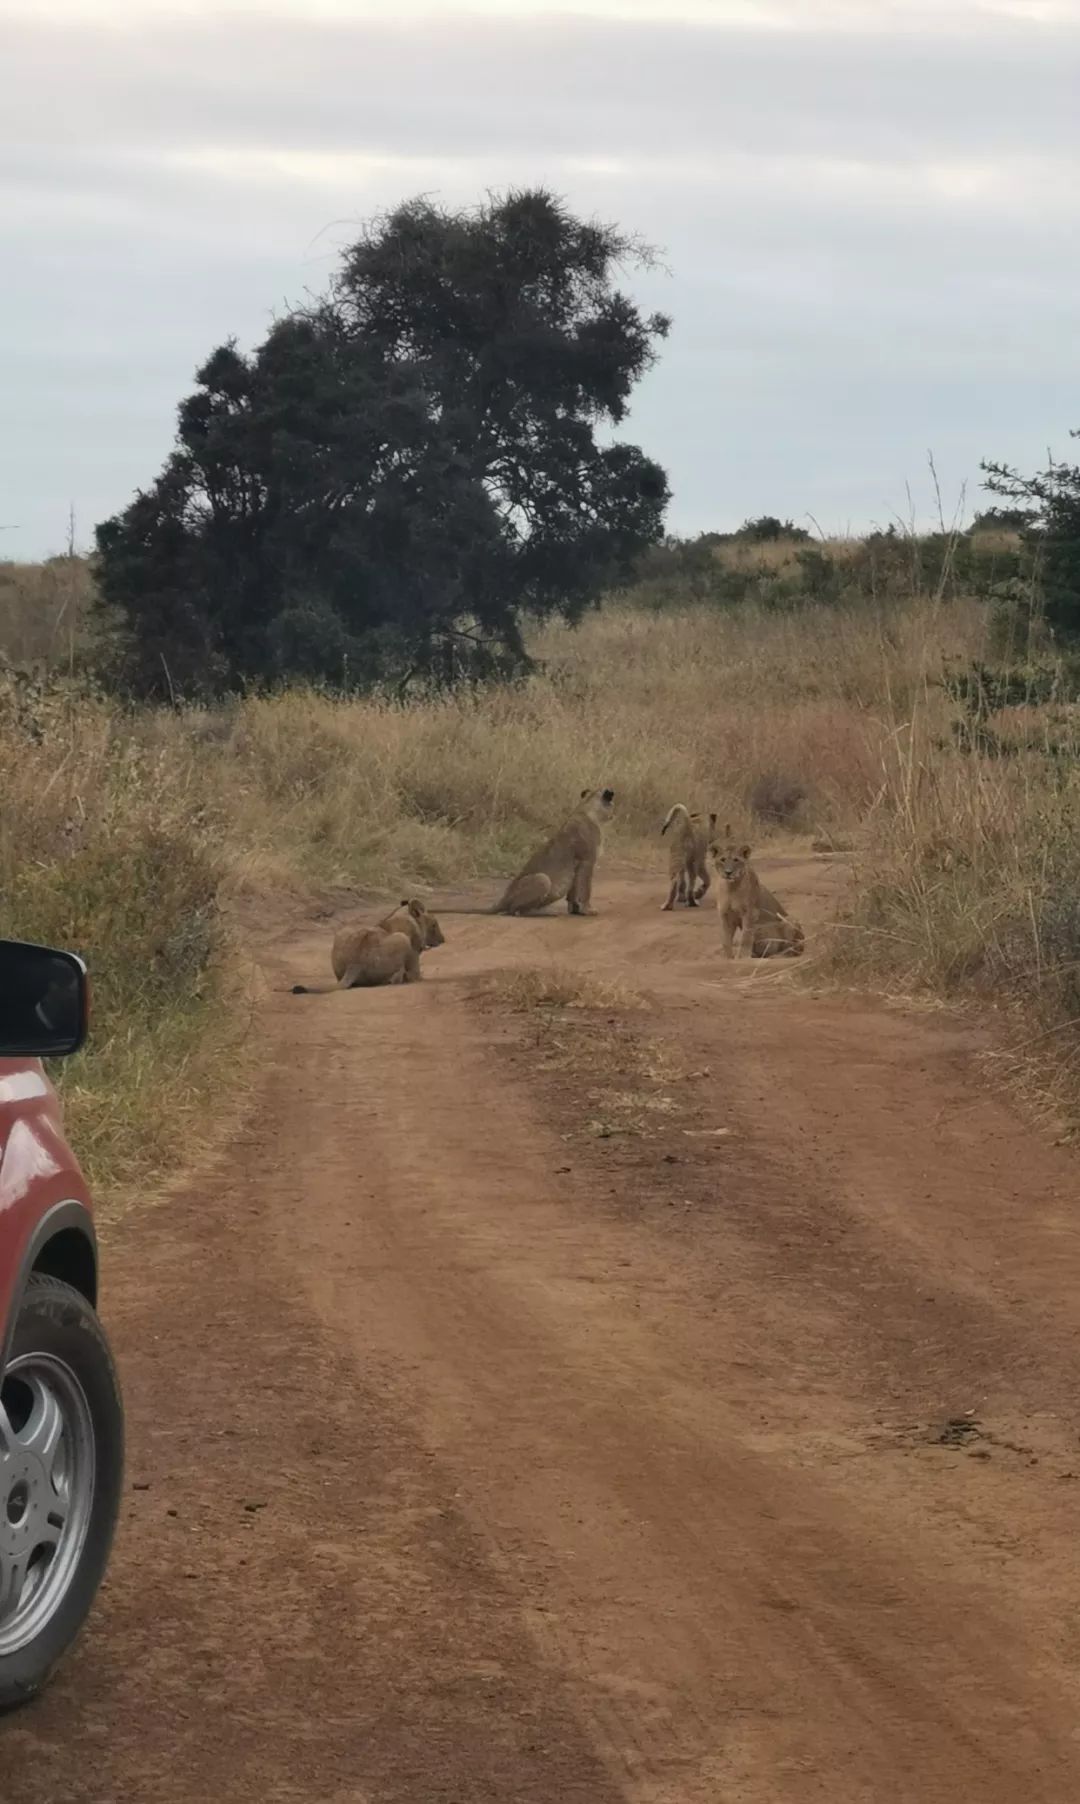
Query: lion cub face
column 731, row 861
column 598, row 804
column 427, row 923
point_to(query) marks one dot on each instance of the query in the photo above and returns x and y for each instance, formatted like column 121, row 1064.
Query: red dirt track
column 474, row 1457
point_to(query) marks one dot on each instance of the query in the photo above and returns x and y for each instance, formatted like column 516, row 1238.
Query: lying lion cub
column 748, row 908
column 412, row 918
column 364, row 958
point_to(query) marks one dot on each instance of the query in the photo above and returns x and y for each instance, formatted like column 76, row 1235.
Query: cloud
column 471, row 86
column 805, row 17
column 860, row 205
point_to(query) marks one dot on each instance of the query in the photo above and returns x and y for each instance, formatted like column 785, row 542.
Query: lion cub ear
column 415, row 908
column 744, row 851
column 585, row 792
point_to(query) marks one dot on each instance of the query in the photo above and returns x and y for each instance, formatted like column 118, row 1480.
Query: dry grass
column 967, row 885
column 686, row 706
column 968, row 876
column 626, row 1082
column 579, row 1030
column 780, row 557
column 555, row 987
column 585, row 1035
column 102, row 848
column 44, row 611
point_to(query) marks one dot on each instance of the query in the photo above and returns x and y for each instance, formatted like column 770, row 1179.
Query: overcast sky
column 868, row 212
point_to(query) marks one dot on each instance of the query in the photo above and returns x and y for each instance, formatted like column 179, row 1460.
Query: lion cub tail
column 678, row 813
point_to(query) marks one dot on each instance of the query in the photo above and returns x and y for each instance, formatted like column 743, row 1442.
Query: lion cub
column 365, row 958
column 687, row 863
column 360, row 960
column 748, row 908
column 564, row 866
column 413, row 919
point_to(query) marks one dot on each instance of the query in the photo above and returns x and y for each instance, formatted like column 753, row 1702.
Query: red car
column 61, row 1416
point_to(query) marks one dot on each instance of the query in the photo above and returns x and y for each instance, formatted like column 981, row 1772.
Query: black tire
column 57, row 1321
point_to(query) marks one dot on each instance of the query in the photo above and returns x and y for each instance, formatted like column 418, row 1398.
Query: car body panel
column 42, row 1189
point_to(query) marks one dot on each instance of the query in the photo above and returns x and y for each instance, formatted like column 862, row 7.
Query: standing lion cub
column 688, row 866
column 749, row 909
column 565, row 865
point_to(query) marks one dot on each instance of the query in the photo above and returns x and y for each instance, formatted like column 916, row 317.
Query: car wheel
column 61, row 1472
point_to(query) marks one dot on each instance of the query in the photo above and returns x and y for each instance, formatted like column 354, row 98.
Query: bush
column 788, row 571
column 767, row 529
column 777, row 799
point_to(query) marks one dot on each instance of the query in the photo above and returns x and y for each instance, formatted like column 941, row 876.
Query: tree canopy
column 1049, row 505
column 405, row 470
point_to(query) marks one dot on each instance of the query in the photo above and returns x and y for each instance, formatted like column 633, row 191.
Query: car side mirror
column 44, row 1001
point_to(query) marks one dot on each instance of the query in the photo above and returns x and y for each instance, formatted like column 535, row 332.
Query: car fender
column 60, row 1218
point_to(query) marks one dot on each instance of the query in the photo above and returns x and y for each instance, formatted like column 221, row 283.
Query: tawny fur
column 688, row 865
column 366, row 957
column 563, row 868
column 746, row 907
column 413, row 918
column 363, row 958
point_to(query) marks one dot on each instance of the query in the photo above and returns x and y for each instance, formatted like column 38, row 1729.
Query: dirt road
column 501, row 1429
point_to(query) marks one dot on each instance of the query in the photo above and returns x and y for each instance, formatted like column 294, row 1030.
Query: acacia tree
column 404, row 471
column 1049, row 504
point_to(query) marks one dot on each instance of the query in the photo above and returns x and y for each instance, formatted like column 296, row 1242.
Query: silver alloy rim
column 46, row 1492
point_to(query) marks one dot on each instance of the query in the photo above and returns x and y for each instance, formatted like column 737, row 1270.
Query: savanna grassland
column 817, row 700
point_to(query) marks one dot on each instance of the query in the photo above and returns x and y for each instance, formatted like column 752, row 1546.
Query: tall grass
column 967, row 876
column 691, row 706
column 105, row 848
column 45, row 611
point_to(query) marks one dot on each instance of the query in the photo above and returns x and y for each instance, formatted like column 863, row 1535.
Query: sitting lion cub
column 364, row 958
column 564, row 866
column 748, row 908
